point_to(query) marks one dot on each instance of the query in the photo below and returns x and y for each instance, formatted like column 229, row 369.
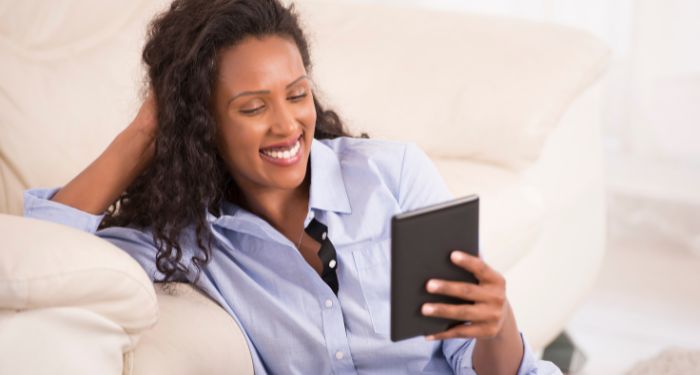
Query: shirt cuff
column 529, row 365
column 38, row 205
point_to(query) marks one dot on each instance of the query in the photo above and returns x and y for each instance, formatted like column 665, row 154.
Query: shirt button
column 339, row 355
column 332, row 263
column 328, row 303
column 324, row 235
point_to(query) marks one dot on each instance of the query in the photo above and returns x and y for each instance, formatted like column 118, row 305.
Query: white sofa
column 507, row 109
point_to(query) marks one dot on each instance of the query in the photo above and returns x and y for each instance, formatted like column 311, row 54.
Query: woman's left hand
column 489, row 311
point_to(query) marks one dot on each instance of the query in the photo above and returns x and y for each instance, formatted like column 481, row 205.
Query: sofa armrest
column 47, row 265
column 194, row 335
column 70, row 302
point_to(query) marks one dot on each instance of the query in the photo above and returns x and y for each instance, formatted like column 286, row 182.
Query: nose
column 283, row 121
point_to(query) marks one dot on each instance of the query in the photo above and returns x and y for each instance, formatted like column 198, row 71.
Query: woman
column 235, row 178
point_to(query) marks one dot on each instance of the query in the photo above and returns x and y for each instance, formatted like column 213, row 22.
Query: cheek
column 238, row 141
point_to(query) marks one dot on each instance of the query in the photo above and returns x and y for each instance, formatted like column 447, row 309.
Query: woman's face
column 264, row 113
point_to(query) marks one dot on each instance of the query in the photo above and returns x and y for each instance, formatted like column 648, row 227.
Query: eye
column 252, row 111
column 252, row 107
column 298, row 96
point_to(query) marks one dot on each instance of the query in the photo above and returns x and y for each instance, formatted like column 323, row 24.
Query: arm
column 103, row 181
column 81, row 203
column 493, row 344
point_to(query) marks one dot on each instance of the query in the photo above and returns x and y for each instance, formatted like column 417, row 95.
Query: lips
column 282, row 145
column 283, row 153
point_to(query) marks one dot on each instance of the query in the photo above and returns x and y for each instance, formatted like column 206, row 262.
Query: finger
column 475, row 265
column 475, row 313
column 474, row 330
column 458, row 289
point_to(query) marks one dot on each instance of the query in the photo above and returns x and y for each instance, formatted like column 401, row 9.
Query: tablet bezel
column 445, row 227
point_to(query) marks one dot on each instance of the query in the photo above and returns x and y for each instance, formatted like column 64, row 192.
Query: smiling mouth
column 283, row 153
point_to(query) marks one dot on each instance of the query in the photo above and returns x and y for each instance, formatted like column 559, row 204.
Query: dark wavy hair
column 187, row 177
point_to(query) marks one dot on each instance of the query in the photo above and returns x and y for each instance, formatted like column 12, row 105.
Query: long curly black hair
column 187, row 177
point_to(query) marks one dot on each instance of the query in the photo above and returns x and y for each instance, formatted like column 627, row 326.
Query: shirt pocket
column 373, row 272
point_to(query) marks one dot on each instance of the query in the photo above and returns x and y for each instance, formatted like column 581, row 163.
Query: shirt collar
column 327, row 193
column 327, row 184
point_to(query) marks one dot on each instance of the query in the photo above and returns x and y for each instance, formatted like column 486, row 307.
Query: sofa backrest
column 459, row 85
column 70, row 81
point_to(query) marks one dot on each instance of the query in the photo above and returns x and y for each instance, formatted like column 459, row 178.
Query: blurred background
column 646, row 301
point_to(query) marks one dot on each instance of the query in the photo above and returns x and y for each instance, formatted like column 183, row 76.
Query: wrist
column 501, row 353
column 137, row 141
column 140, row 131
column 508, row 329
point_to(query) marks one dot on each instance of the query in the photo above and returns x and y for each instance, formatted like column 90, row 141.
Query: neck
column 283, row 209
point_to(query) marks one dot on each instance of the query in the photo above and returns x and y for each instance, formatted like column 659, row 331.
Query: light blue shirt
column 292, row 320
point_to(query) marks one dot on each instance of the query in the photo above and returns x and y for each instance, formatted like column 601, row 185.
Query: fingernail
column 457, row 256
column 433, row 285
column 427, row 309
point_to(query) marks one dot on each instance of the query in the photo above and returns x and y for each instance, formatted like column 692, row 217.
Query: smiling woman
column 234, row 178
column 261, row 98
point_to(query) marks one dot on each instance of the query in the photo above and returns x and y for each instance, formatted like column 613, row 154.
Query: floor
column 646, row 299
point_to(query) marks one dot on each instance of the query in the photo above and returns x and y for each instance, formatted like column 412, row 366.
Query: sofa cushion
column 194, row 335
column 511, row 210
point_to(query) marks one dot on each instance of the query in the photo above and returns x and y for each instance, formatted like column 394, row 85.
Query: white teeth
column 284, row 154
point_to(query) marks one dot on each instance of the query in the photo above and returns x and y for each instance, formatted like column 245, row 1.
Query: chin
column 291, row 178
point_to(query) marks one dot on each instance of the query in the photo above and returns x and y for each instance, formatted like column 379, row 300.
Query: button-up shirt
column 291, row 319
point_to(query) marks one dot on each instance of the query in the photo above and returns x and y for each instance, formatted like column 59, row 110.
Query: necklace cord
column 301, row 236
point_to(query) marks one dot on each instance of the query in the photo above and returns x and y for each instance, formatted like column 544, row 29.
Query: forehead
column 259, row 63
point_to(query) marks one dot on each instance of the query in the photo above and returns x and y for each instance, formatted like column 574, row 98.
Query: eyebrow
column 263, row 92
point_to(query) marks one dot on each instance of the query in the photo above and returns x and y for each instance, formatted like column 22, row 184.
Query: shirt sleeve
column 420, row 183
column 459, row 355
column 137, row 243
column 38, row 205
